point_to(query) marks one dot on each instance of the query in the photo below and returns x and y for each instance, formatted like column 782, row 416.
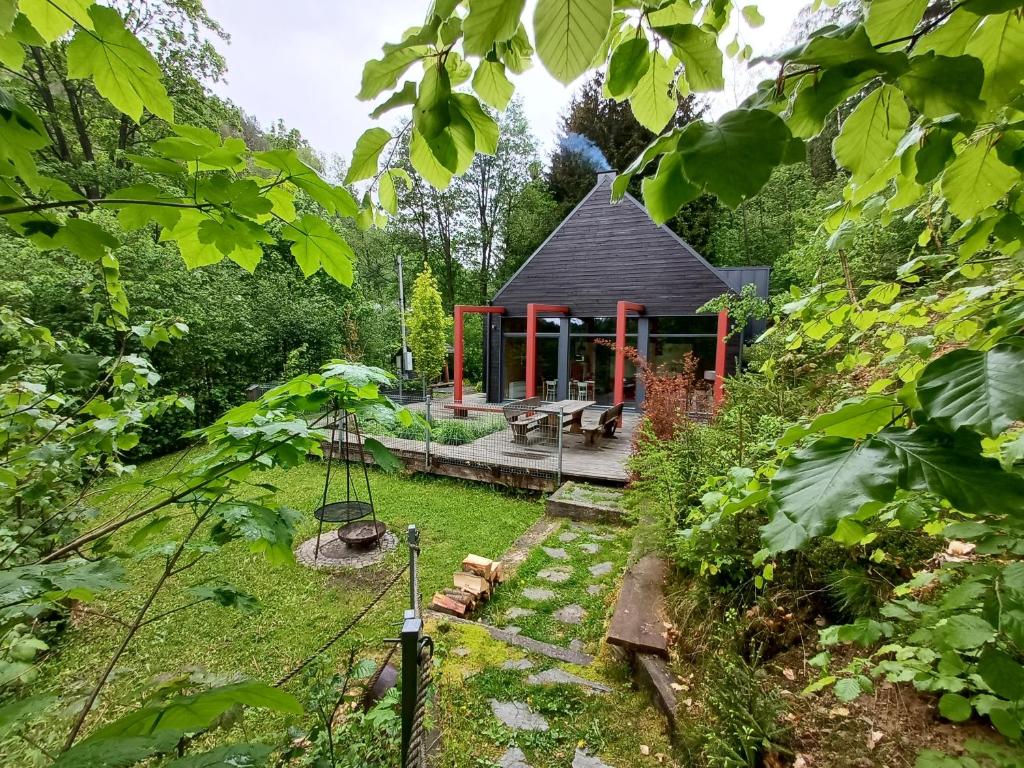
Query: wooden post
column 458, row 352
column 723, row 331
column 622, row 308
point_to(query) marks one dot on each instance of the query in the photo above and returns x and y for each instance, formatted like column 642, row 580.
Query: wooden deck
column 496, row 458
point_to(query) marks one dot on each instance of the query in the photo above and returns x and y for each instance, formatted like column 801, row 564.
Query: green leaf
column 384, row 458
column 890, row 19
column 569, row 34
column 182, row 714
column 652, row 102
column 823, row 483
column 668, row 190
column 232, row 756
column 698, row 50
column 979, row 390
column 116, row 752
column 226, row 595
column 847, row 689
column 848, row 48
column 316, row 245
column 999, row 42
column 955, row 707
column 1003, row 674
column 734, row 157
column 953, row 468
column 936, row 150
column 950, row 38
column 870, row 134
column 818, row 97
column 492, row 85
column 382, row 74
column 54, row 18
column 15, row 712
column 400, row 98
column 123, row 70
column 752, row 16
column 426, row 164
column 944, row 85
column 659, row 146
column 854, row 419
column 964, row 631
column 976, row 180
column 629, row 62
column 432, row 113
column 366, row 154
column 485, row 128
column 488, row 22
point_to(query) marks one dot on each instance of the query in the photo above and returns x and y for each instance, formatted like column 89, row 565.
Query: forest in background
column 474, row 234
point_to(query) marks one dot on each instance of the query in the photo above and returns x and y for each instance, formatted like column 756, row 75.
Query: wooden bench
column 522, row 420
column 605, row 426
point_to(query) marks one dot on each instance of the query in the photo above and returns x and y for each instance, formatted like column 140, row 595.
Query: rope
column 343, row 631
column 417, row 755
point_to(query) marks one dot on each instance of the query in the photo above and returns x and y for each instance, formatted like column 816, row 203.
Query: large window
column 671, row 339
column 514, row 384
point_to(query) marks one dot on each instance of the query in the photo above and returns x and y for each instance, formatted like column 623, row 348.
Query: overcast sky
column 301, row 61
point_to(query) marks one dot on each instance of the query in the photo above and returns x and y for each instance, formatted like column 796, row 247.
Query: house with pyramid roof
column 607, row 275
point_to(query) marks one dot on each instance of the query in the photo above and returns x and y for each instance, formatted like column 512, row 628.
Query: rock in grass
column 560, row 676
column 601, row 569
column 556, row 553
column 591, row 548
column 559, row 573
column 538, row 593
column 570, row 614
column 517, row 664
column 582, row 760
column 517, row 612
column 518, row 716
column 595, row 589
column 567, row 536
column 513, row 758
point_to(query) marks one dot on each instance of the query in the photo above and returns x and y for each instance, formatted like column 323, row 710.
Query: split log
column 444, row 604
column 470, row 582
column 466, row 598
column 481, row 566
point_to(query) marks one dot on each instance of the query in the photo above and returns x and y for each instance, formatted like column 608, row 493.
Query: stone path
column 538, row 593
column 570, row 614
column 560, row 676
column 518, row 716
column 558, row 574
column 601, row 569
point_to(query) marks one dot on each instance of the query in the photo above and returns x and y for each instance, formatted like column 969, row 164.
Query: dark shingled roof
column 603, row 253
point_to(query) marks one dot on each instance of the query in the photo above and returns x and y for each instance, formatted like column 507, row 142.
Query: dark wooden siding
column 603, row 253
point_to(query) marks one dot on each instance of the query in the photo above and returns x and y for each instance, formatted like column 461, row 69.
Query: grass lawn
column 299, row 607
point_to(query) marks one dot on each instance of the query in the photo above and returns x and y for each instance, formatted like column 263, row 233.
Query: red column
column 723, row 331
column 622, row 308
column 458, row 352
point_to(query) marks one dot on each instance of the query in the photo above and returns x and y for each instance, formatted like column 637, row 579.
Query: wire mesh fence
column 520, row 437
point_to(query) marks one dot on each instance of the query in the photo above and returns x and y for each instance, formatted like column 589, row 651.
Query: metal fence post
column 561, row 421
column 426, row 442
column 412, row 628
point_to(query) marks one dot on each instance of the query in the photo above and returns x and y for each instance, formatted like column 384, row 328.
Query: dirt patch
column 885, row 729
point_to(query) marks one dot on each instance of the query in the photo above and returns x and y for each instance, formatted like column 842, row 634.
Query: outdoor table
column 572, row 408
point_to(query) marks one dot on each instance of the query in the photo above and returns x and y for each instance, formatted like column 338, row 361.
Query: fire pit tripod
column 356, row 531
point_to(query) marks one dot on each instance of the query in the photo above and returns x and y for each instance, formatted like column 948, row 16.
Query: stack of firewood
column 471, row 586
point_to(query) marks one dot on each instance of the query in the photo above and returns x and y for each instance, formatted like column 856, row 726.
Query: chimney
column 606, row 177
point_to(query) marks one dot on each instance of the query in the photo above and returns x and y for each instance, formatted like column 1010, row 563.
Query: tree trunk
column 53, row 125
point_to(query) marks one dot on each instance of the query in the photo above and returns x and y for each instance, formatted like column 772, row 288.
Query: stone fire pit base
column 337, row 554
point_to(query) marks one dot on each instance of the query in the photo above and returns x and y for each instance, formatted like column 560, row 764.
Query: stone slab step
column 639, row 621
